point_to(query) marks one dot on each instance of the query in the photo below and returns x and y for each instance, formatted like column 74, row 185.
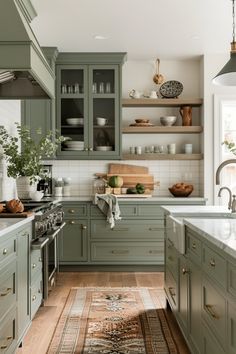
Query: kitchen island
column 200, row 282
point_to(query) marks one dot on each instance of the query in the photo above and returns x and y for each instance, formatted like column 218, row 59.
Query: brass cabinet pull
column 171, row 291
column 121, row 229
column 185, row 271
column 40, row 259
column 4, row 346
column 4, row 252
column 72, row 222
column 194, row 245
column 85, row 149
column 212, row 262
column 34, row 298
column 39, row 291
column 90, row 149
column 84, row 227
column 71, row 211
column 33, row 265
column 210, row 311
column 120, row 251
column 6, row 292
column 9, row 337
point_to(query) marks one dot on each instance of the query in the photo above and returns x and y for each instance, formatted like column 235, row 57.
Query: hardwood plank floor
column 40, row 333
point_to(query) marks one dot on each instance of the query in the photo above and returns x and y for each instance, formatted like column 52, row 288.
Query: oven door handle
column 53, row 234
column 40, row 243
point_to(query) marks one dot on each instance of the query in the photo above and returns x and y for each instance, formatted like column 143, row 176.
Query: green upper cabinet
column 89, row 105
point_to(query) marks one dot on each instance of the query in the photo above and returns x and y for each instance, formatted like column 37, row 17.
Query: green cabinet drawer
column 193, row 247
column 209, row 342
column 36, row 296
column 130, row 210
column 214, row 310
column 7, row 248
column 171, row 290
column 231, row 328
column 130, row 252
column 36, row 264
column 75, row 210
column 150, row 211
column 214, row 265
column 8, row 333
column 171, row 258
column 128, row 229
column 7, row 287
column 231, row 278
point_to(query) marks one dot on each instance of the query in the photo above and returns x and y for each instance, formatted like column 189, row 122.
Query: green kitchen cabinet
column 73, row 243
column 23, row 253
column 89, row 105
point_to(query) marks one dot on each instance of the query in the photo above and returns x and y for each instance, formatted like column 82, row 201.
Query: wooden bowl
column 178, row 192
column 142, row 120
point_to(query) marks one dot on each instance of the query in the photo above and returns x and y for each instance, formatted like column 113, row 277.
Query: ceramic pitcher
column 186, row 114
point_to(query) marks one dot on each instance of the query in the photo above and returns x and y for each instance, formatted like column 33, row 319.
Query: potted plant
column 25, row 164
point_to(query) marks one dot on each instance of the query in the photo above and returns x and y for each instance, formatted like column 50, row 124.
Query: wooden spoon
column 158, row 78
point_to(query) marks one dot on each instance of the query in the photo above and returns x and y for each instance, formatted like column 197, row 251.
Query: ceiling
column 146, row 30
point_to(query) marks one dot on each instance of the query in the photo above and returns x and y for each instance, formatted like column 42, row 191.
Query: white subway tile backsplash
column 166, row 172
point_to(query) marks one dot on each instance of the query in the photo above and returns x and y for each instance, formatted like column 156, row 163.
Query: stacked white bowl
column 74, row 145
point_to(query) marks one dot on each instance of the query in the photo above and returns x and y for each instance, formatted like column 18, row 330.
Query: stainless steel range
column 48, row 224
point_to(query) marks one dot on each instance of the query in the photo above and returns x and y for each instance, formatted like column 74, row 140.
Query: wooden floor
column 43, row 325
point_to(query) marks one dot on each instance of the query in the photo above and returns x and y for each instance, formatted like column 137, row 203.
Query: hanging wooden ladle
column 158, row 78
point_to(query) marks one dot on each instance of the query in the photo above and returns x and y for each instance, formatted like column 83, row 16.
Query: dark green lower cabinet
column 73, row 243
column 183, row 312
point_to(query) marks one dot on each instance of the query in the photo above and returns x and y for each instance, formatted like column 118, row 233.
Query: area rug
column 113, row 321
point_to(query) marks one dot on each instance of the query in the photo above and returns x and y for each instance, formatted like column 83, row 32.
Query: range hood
column 24, row 70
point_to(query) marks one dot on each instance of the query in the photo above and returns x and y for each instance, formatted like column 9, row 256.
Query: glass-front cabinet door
column 88, row 111
column 72, row 109
column 104, row 110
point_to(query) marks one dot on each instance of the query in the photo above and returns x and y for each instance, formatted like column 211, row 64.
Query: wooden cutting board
column 130, row 180
column 24, row 214
column 116, row 168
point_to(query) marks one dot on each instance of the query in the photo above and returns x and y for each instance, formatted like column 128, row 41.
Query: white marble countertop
column 196, row 210
column 132, row 199
column 221, row 232
column 11, row 224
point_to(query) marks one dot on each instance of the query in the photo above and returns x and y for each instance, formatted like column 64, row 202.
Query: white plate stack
column 74, row 145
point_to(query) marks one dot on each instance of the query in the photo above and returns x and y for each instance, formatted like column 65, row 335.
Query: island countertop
column 154, row 199
column 10, row 224
column 196, row 210
column 220, row 232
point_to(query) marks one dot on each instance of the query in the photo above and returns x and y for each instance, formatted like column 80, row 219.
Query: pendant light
column 227, row 75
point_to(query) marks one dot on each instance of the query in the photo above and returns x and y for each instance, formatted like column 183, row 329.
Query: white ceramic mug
column 171, row 148
column 134, row 94
column 101, row 121
column 188, row 148
column 153, row 94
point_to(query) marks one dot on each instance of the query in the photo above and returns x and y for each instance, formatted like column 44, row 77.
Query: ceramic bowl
column 103, row 148
column 37, row 196
column 75, row 121
column 168, row 120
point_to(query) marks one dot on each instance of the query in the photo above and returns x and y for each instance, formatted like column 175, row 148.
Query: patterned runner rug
column 113, row 321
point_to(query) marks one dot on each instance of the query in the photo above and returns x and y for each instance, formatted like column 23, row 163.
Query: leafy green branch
column 230, row 146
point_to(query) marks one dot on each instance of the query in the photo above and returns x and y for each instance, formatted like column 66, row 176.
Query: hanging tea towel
column 109, row 206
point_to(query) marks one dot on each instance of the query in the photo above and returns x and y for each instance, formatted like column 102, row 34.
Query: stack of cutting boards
column 131, row 175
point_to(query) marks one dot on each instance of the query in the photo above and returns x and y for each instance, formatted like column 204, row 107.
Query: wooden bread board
column 24, row 214
column 130, row 180
column 117, row 168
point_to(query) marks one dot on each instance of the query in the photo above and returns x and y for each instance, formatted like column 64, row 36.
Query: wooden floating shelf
column 162, row 129
column 161, row 102
column 156, row 156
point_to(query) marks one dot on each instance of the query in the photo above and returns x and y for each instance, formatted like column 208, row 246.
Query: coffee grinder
column 45, row 184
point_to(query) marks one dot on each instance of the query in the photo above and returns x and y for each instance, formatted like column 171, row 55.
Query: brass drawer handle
column 194, row 246
column 155, row 228
column 72, row 222
column 90, row 149
column 33, row 265
column 9, row 337
column 209, row 310
column 185, row 271
column 84, row 227
column 3, row 346
column 121, row 229
column 120, row 251
column 40, row 259
column 34, row 298
column 71, row 211
column 6, row 292
column 4, row 252
column 85, row 149
column 171, row 291
column 39, row 291
column 212, row 262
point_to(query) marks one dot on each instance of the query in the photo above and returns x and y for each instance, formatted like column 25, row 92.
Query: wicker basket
column 178, row 192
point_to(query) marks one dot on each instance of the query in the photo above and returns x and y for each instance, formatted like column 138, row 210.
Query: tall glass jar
column 98, row 185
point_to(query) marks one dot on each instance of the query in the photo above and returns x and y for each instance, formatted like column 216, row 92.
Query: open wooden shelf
column 161, row 102
column 163, row 129
column 156, row 156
